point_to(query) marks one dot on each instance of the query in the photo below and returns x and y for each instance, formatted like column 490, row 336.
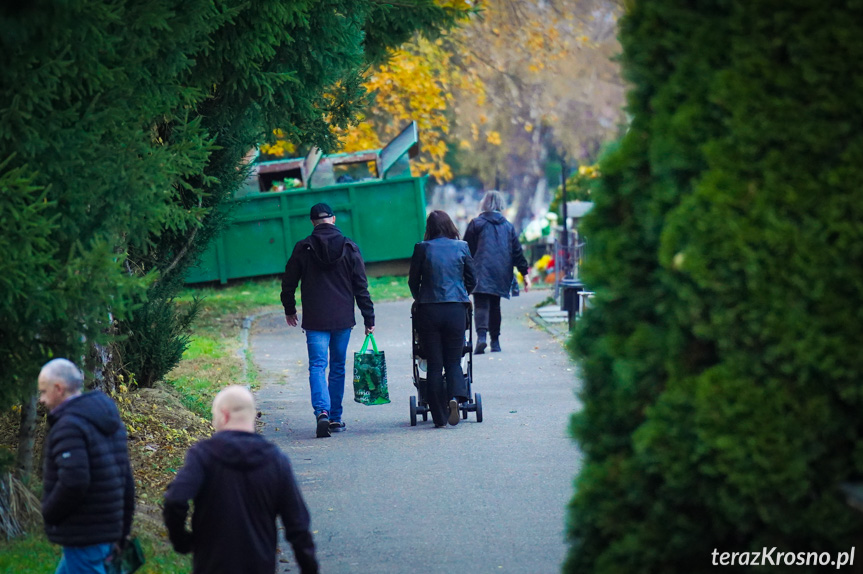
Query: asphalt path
column 386, row 497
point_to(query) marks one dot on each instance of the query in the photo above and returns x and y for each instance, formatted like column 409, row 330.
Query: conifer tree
column 295, row 66
column 720, row 361
column 123, row 128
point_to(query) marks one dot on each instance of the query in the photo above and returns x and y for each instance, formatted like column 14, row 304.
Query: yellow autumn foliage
column 510, row 70
column 415, row 84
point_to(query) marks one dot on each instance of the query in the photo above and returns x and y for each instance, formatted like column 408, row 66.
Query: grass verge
column 34, row 554
column 215, row 357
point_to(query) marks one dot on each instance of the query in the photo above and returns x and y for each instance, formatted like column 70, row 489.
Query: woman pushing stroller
column 441, row 278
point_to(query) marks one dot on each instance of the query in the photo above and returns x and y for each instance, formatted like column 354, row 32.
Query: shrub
column 720, row 362
column 157, row 334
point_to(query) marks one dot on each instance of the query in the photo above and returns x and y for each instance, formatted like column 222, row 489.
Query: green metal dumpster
column 384, row 213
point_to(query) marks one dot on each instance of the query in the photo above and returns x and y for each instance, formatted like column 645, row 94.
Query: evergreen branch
column 182, row 252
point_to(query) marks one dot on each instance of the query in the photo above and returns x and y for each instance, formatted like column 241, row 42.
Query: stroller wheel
column 413, row 411
column 478, row 400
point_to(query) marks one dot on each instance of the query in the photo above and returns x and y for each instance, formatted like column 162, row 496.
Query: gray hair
column 493, row 201
column 64, row 371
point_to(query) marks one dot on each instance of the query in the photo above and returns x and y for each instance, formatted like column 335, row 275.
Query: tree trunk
column 26, row 438
column 526, row 192
column 100, row 361
column 533, row 191
column 540, row 196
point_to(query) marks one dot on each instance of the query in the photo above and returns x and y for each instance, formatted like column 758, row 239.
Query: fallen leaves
column 160, row 430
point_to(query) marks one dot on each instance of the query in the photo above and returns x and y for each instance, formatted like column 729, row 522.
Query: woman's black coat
column 494, row 245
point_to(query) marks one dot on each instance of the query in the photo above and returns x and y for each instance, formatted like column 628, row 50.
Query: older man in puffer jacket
column 89, row 493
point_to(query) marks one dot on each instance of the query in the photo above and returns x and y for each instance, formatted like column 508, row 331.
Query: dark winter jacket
column 441, row 271
column 89, row 492
column 240, row 483
column 333, row 275
column 496, row 250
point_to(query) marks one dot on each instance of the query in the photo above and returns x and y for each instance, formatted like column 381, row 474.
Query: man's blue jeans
column 84, row 559
column 327, row 391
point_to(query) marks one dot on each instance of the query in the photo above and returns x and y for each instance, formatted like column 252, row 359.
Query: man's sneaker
column 495, row 345
column 454, row 414
column 337, row 426
column 323, row 425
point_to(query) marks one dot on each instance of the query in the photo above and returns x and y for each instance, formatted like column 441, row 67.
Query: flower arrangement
column 539, row 228
column 543, row 269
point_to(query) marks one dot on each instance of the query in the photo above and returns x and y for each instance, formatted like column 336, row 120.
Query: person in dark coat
column 333, row 275
column 88, row 499
column 495, row 248
column 240, row 483
column 441, row 277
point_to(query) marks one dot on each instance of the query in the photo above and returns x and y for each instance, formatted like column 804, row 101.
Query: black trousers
column 440, row 328
column 486, row 310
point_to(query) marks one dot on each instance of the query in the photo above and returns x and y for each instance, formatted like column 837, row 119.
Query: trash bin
column 570, row 301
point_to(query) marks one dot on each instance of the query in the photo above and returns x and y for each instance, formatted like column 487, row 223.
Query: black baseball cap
column 320, row 211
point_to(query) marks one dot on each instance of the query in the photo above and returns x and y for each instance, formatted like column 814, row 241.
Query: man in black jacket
column 333, row 275
column 89, row 493
column 239, row 483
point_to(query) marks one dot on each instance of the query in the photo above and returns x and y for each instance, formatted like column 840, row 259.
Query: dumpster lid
column 316, row 169
column 407, row 142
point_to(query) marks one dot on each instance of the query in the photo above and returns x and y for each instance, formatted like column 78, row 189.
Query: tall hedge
column 722, row 365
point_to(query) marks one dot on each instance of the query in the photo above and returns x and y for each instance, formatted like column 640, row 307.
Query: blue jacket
column 441, row 271
column 495, row 248
column 89, row 492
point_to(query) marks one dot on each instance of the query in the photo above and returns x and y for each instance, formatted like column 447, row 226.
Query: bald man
column 240, row 483
column 88, row 496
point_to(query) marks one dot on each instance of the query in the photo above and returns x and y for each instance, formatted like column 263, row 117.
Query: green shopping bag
column 127, row 561
column 370, row 375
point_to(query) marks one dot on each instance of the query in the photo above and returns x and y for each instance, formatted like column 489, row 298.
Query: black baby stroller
column 419, row 403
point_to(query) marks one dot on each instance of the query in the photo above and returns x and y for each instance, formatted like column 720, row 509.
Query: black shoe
column 323, row 425
column 454, row 414
column 495, row 345
column 480, row 344
column 337, row 426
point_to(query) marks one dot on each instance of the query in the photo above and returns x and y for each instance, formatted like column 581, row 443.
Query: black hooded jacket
column 89, row 492
column 240, row 483
column 333, row 275
column 495, row 248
